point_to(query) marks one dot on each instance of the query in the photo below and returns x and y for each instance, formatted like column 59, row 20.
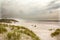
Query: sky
column 30, row 9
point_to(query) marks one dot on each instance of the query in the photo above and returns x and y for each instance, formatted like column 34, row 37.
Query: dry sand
column 40, row 28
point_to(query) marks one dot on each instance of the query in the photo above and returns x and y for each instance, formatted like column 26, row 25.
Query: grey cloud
column 52, row 2
column 12, row 10
column 53, row 5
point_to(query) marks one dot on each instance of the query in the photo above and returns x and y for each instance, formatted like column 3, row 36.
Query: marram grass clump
column 17, row 32
column 57, row 32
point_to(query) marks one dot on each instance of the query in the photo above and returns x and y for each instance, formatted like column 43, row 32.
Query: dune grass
column 57, row 32
column 16, row 31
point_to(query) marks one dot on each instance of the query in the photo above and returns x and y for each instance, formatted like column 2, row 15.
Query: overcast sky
column 30, row 9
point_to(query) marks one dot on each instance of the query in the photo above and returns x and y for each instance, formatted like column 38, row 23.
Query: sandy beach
column 40, row 28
